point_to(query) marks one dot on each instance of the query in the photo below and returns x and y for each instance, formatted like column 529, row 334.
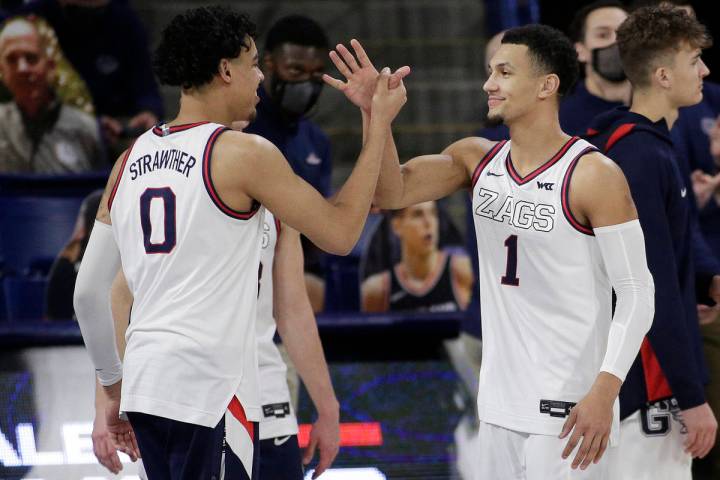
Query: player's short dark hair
column 577, row 28
column 650, row 33
column 550, row 51
column 195, row 41
column 296, row 30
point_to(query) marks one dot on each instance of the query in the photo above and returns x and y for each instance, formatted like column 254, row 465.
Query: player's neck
column 534, row 140
column 419, row 266
column 610, row 91
column 202, row 107
column 654, row 106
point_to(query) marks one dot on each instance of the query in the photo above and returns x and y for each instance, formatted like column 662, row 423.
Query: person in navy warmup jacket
column 665, row 417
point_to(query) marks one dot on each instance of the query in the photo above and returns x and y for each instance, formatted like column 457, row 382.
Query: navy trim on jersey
column 565, row 195
column 485, row 160
column 207, row 180
column 520, row 180
column 117, row 180
column 162, row 132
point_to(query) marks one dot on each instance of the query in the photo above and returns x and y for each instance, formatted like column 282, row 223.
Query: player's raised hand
column 325, row 437
column 360, row 75
column 590, row 421
column 103, row 447
column 386, row 102
column 701, row 428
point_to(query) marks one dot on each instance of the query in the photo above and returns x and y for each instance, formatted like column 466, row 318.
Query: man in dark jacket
column 665, row 418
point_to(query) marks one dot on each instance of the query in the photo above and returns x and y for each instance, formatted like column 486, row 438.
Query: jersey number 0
column 167, row 196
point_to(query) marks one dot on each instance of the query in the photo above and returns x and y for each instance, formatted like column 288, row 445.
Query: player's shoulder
column 471, row 146
column 235, row 146
column 596, row 174
column 595, row 165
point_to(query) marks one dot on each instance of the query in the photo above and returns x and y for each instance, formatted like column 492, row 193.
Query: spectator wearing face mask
column 293, row 62
column 604, row 85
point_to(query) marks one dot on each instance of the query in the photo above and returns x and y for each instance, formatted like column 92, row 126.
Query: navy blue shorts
column 173, row 450
column 280, row 459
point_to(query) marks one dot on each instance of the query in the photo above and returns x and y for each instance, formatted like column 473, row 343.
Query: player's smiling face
column 513, row 83
column 246, row 72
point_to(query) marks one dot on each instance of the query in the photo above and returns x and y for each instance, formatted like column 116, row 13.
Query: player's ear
column 663, row 76
column 224, row 70
column 550, row 86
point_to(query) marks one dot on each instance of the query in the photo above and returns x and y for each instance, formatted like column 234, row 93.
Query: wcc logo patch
column 545, row 185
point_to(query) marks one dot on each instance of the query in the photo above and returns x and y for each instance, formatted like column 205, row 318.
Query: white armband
column 100, row 264
column 623, row 251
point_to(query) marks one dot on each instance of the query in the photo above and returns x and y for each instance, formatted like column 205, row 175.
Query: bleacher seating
column 37, row 218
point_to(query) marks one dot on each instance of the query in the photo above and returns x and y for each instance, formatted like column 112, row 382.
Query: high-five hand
column 386, row 103
column 360, row 75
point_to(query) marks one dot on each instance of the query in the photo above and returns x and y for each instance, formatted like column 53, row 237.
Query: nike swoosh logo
column 491, row 174
column 280, row 440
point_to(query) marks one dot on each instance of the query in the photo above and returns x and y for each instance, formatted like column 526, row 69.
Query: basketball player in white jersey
column 556, row 229
column 283, row 305
column 182, row 213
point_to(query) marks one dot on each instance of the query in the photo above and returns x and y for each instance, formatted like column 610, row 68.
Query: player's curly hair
column 195, row 41
column 550, row 51
column 649, row 34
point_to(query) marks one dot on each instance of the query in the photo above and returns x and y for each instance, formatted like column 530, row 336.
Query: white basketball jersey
column 544, row 293
column 191, row 263
column 278, row 416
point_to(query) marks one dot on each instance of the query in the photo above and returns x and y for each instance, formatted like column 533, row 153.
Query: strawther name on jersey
column 173, row 159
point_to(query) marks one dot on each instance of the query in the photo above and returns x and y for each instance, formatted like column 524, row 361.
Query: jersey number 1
column 168, row 200
column 510, row 277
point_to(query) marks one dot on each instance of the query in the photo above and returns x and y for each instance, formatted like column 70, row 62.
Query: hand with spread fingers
column 360, row 75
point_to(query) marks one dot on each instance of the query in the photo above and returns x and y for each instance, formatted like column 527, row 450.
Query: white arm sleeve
column 100, row 264
column 623, row 251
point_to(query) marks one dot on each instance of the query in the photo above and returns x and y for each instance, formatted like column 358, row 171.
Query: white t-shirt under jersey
column 191, row 263
column 545, row 295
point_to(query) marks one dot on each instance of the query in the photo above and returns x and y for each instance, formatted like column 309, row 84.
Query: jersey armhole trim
column 278, row 225
column 484, row 161
column 207, row 180
column 565, row 195
column 119, row 177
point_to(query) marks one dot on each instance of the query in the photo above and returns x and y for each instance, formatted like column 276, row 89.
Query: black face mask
column 295, row 98
column 606, row 62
